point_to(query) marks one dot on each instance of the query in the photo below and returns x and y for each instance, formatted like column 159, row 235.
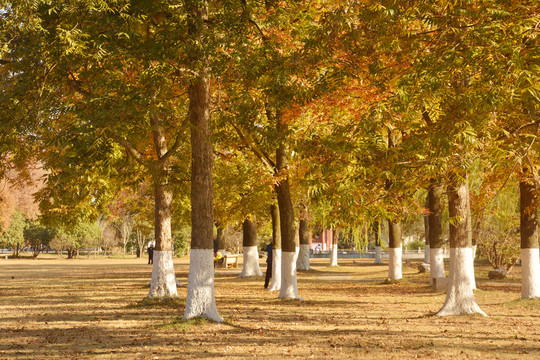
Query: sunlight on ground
column 96, row 309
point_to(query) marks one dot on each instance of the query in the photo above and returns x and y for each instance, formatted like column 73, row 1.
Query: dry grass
column 96, row 309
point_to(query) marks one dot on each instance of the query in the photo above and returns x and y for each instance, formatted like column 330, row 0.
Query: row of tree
column 337, row 112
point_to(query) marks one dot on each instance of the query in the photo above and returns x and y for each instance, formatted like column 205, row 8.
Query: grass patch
column 157, row 302
column 183, row 325
column 525, row 303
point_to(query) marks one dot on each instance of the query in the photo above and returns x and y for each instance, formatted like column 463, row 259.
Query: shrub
column 181, row 241
column 415, row 244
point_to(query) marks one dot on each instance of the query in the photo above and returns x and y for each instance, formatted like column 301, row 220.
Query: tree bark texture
column 303, row 255
column 394, row 234
column 162, row 215
column 426, row 222
column 530, row 262
column 202, row 187
column 435, row 235
column 276, row 231
column 163, row 282
column 376, row 233
column 250, row 250
column 275, row 282
column 249, row 233
column 303, row 232
column 457, row 210
column 436, row 256
column 528, row 209
column 200, row 301
column 289, row 255
column 220, row 238
column 459, row 295
column 286, row 216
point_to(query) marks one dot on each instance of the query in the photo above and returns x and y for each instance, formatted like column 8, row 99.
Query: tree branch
column 426, row 117
column 260, row 155
column 177, row 142
column 132, row 150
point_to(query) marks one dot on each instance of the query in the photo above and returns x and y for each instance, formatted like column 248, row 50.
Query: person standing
column 268, row 265
column 150, row 253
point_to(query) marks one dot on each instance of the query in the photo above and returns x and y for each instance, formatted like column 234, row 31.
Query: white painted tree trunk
column 378, row 257
column 251, row 262
column 436, row 264
column 530, row 273
column 333, row 255
column 200, row 301
column 163, row 284
column 275, row 282
column 459, row 295
column 303, row 258
column 289, row 286
column 426, row 254
column 473, row 276
column 394, row 263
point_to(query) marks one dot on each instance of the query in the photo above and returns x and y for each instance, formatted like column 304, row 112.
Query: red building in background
column 323, row 240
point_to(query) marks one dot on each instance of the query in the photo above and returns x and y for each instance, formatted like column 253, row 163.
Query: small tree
column 497, row 230
column 88, row 235
column 37, row 236
column 181, row 240
column 14, row 234
column 64, row 240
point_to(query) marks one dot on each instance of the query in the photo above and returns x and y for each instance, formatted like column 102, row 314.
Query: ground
column 54, row 308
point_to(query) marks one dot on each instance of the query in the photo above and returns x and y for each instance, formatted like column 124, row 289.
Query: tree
column 459, row 295
column 435, row 193
column 200, row 300
column 124, row 225
column 37, row 236
column 496, row 223
column 275, row 283
column 64, row 240
column 114, row 111
column 73, row 238
column 303, row 255
column 529, row 240
column 250, row 249
column 14, row 234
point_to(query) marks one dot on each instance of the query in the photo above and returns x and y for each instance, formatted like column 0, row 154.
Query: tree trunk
column 377, row 237
column 530, row 263
column 459, row 294
column 220, row 238
column 140, row 243
column 469, row 235
column 334, row 252
column 251, row 251
column 201, row 301
column 303, row 256
column 426, row 232
column 394, row 250
column 435, row 193
column 275, row 282
column 163, row 282
column 289, row 285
